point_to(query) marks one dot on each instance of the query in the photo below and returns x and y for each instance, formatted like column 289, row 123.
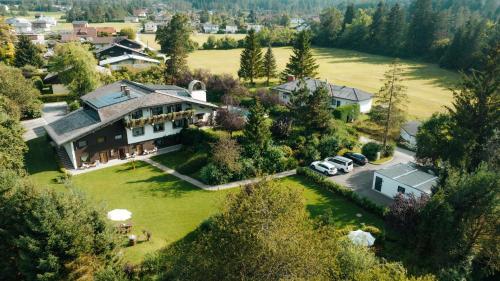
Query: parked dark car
column 357, row 158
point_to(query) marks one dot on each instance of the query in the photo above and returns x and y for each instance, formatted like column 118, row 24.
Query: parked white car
column 341, row 163
column 324, row 167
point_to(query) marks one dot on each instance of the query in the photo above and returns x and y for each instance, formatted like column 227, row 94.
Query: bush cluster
column 347, row 113
column 370, row 150
column 343, row 191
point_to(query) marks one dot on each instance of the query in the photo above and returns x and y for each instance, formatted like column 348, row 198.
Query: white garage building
column 403, row 178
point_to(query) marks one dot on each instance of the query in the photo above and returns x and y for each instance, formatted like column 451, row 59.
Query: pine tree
column 317, row 110
column 257, row 131
column 251, row 63
column 269, row 64
column 27, row 53
column 391, row 101
column 175, row 44
column 349, row 16
column 302, row 63
column 377, row 27
column 393, row 38
column 422, row 30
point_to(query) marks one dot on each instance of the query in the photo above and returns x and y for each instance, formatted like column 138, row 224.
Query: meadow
column 427, row 84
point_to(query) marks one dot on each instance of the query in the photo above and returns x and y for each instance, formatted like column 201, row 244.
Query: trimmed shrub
column 193, row 165
column 347, row 113
column 341, row 190
column 329, row 146
column 212, row 174
column 74, row 105
column 370, row 150
column 57, row 98
column 389, row 150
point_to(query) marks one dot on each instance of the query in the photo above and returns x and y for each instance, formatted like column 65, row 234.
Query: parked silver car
column 324, row 167
column 343, row 164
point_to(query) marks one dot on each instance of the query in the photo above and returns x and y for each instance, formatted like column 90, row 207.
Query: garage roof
column 410, row 175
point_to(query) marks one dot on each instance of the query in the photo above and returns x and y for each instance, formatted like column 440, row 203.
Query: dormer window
column 136, row 114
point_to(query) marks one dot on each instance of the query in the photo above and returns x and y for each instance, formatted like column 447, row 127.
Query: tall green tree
column 270, row 70
column 391, row 102
column 27, row 53
column 422, row 29
column 76, row 67
column 12, row 146
column 257, row 130
column 461, row 223
column 49, row 235
column 349, row 16
column 317, row 110
column 302, row 63
column 330, row 27
column 175, row 42
column 433, row 140
column 394, row 31
column 251, row 64
column 475, row 113
column 377, row 27
column 7, row 47
column 19, row 91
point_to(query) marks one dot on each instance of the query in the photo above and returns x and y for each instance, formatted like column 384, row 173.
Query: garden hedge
column 347, row 113
column 57, row 98
column 343, row 191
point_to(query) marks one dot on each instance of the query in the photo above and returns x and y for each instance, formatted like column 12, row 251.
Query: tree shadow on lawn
column 414, row 70
column 40, row 156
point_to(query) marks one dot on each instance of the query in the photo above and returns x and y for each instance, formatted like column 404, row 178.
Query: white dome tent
column 362, row 238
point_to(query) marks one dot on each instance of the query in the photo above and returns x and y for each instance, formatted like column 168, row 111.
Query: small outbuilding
column 409, row 132
column 403, row 178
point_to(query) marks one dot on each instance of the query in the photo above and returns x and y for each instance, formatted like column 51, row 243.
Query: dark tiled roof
column 107, row 105
column 341, row 92
column 120, row 46
column 411, row 127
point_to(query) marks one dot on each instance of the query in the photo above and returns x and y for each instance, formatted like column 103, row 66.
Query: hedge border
column 343, row 191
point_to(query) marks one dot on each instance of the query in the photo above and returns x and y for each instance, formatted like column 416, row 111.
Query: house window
column 378, row 184
column 160, row 127
column 101, row 139
column 118, row 137
column 139, row 131
column 157, row 110
column 178, row 107
column 82, row 143
column 337, row 102
column 401, row 189
column 137, row 114
column 178, row 123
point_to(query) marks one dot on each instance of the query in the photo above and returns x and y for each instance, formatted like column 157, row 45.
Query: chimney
column 290, row 78
column 122, row 88
column 127, row 91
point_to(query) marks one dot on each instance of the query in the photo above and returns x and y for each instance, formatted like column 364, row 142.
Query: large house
column 126, row 118
column 404, row 178
column 127, row 60
column 116, row 50
column 341, row 95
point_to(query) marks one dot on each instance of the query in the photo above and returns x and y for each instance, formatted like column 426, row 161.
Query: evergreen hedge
column 343, row 191
column 347, row 113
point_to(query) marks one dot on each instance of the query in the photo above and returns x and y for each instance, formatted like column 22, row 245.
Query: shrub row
column 57, row 98
column 342, row 191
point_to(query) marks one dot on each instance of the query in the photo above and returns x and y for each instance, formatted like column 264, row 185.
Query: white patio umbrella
column 360, row 237
column 119, row 215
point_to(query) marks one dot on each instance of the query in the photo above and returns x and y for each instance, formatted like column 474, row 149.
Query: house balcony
column 133, row 123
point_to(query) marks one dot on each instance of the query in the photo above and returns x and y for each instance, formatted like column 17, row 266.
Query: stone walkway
column 201, row 185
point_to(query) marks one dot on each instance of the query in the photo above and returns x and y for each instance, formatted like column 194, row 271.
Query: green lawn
column 200, row 38
column 318, row 201
column 427, row 83
column 163, row 204
column 41, row 163
column 174, row 159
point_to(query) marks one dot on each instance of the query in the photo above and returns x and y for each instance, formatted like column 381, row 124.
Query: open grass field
column 200, row 38
column 428, row 85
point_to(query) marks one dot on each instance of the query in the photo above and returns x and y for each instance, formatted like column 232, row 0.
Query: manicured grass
column 164, row 205
column 318, row 201
column 176, row 158
column 41, row 163
column 200, row 38
column 427, row 83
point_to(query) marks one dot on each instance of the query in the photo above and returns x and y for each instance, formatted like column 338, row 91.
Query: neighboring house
column 341, row 95
column 124, row 41
column 36, row 38
column 409, row 132
column 295, row 22
column 141, row 13
column 41, row 25
column 231, row 29
column 131, row 19
column 77, row 24
column 134, row 61
column 256, row 27
column 126, row 118
column 115, row 50
column 210, row 28
column 106, row 30
column 102, row 41
column 21, row 25
column 403, row 178
column 150, row 27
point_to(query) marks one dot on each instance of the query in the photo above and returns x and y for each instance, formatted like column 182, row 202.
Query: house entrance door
column 103, row 156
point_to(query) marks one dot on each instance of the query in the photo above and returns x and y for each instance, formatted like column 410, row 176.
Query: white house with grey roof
column 403, row 178
column 127, row 118
column 409, row 132
column 341, row 95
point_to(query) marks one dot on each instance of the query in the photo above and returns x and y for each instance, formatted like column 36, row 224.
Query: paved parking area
column 50, row 113
column 360, row 180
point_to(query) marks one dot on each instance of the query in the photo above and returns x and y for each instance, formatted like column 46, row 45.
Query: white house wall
column 365, row 106
column 410, row 139
column 390, row 187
